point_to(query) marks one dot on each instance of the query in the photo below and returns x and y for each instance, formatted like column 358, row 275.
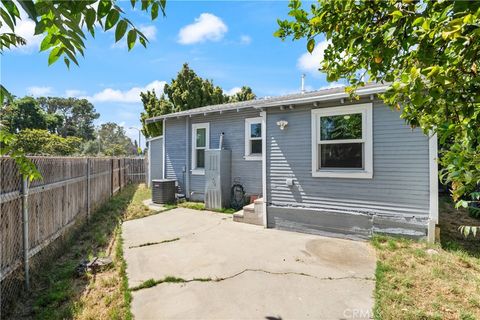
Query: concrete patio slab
column 261, row 272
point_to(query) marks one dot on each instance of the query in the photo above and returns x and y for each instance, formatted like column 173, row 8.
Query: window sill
column 253, row 158
column 343, row 174
column 198, row 172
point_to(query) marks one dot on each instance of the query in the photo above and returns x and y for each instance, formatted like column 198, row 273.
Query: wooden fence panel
column 55, row 203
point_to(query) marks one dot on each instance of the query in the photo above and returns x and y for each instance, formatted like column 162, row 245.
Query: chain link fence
column 35, row 217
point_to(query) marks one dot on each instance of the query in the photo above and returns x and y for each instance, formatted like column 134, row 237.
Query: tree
column 62, row 24
column 188, row 91
column 26, row 113
column 185, row 92
column 113, row 141
column 429, row 52
column 153, row 107
column 77, row 114
column 42, row 142
column 245, row 94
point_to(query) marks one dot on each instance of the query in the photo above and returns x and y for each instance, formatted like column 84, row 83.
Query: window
column 200, row 143
column 253, row 138
column 342, row 142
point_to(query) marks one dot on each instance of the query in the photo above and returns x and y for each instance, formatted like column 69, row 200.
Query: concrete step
column 252, row 213
column 238, row 216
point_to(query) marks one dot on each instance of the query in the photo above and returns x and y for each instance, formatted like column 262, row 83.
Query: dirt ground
column 450, row 221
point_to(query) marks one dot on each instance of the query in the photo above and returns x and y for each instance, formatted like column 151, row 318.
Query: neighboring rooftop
column 290, row 99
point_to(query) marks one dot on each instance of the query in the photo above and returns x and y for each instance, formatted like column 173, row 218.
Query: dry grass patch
column 136, row 208
column 59, row 293
column 201, row 206
column 414, row 282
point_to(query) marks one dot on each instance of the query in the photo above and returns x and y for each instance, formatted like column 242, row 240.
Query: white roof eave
column 295, row 101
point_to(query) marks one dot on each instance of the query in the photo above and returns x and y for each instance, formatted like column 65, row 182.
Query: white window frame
column 248, row 138
column 195, row 127
column 367, row 139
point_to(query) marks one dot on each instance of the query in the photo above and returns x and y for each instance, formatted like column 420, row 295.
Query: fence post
column 25, row 231
column 120, row 174
column 111, row 180
column 88, row 190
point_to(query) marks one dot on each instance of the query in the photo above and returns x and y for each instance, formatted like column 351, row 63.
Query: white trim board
column 266, row 104
column 263, row 117
column 433, row 173
column 154, row 138
column 195, row 126
column 366, row 109
column 164, row 156
column 247, row 151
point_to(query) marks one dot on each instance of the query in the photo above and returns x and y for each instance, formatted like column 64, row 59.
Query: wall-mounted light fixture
column 282, row 124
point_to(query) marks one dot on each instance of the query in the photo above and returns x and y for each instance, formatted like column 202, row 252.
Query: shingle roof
column 290, row 99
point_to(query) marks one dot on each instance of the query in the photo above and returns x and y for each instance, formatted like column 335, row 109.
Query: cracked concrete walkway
column 262, row 273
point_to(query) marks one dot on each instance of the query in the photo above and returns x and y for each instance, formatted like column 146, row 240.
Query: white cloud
column 207, row 27
column 232, row 91
column 244, row 39
column 24, row 28
column 39, row 91
column 332, row 85
column 72, row 93
column 149, row 31
column 127, row 96
column 310, row 62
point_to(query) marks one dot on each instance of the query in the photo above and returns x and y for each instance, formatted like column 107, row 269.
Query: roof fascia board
column 301, row 100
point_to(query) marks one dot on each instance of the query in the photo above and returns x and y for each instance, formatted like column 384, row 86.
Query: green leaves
column 8, row 147
column 121, row 29
column 154, row 12
column 103, row 8
column 90, row 17
column 131, row 38
column 54, row 55
column 7, row 19
column 396, row 15
column 112, row 19
column 62, row 24
column 428, row 51
column 311, row 45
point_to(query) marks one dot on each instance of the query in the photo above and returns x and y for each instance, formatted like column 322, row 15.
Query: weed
column 412, row 284
column 201, row 206
column 192, row 205
column 154, row 243
column 168, row 279
column 106, row 294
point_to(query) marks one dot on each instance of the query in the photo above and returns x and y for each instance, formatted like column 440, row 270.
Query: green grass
column 168, row 279
column 201, row 206
column 413, row 284
column 60, row 294
column 192, row 205
column 154, row 243
column 136, row 208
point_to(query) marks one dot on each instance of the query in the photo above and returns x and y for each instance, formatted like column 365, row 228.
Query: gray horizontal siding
column 175, row 150
column 155, row 148
column 232, row 124
column 400, row 184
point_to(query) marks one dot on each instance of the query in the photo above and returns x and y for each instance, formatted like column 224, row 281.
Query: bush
column 474, row 212
column 42, row 142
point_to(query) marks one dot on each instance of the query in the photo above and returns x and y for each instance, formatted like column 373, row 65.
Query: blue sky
column 230, row 42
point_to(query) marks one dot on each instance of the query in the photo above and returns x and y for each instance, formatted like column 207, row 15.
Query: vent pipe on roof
column 303, row 83
column 220, row 143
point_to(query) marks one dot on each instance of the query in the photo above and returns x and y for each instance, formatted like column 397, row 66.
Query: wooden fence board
column 56, row 201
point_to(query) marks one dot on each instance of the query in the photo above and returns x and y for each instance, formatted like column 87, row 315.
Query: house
column 320, row 162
